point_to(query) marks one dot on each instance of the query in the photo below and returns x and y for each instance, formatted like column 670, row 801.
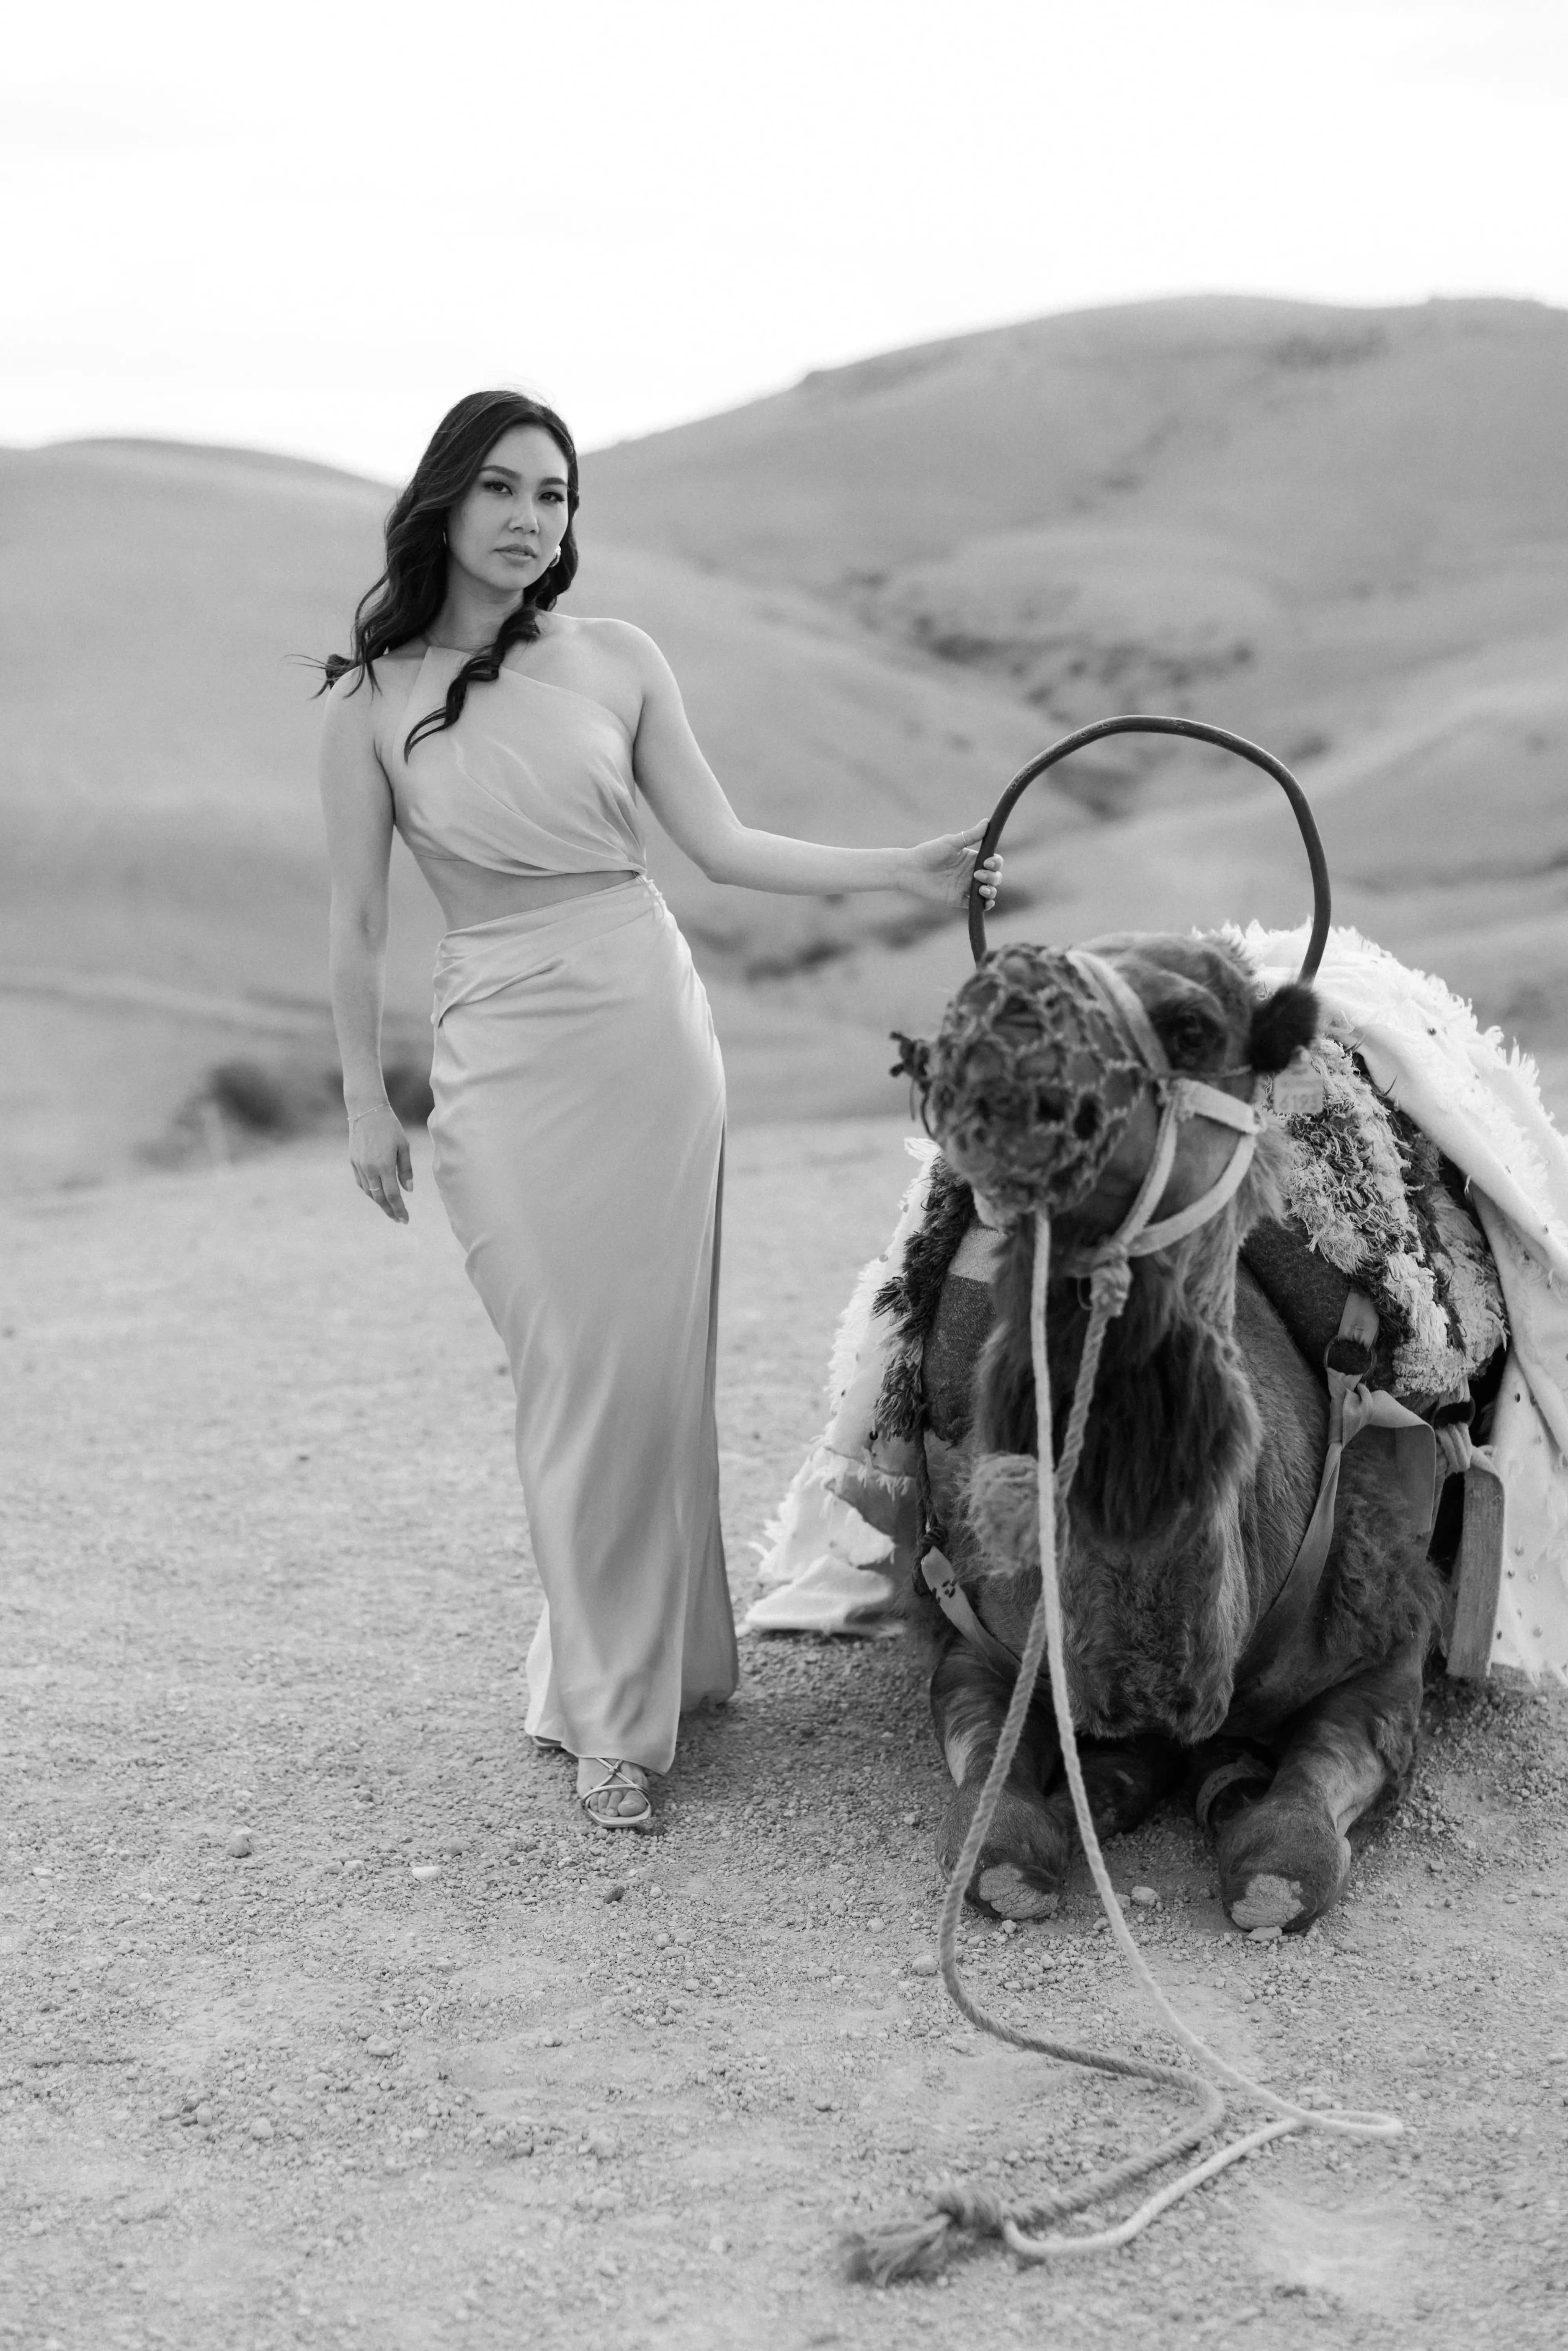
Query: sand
column 433, row 2063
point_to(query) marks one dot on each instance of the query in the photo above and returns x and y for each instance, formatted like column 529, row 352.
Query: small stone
column 206, row 2112
column 422, row 1872
column 1146, row 1898
column 602, row 2146
column 380, row 2048
column 924, row 1963
column 823, row 2105
column 912, row 1820
column 261, row 2127
column 877, row 1926
column 718, row 2244
column 616, row 1893
column 241, row 1843
column 1264, row 1934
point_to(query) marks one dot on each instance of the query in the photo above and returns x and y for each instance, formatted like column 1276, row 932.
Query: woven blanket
column 1452, row 1092
column 1370, row 1194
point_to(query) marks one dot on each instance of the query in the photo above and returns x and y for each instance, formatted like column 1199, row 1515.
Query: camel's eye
column 1192, row 1037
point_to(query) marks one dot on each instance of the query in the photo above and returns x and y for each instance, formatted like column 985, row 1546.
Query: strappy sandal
column 617, row 1779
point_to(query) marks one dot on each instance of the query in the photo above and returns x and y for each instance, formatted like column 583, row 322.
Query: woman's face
column 503, row 531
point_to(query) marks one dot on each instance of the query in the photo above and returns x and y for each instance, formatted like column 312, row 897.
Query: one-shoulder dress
column 579, row 1137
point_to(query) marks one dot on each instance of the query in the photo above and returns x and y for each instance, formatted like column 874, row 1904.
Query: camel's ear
column 1282, row 1022
column 913, row 1057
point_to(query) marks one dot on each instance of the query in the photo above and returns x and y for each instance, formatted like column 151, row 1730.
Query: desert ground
column 328, row 2021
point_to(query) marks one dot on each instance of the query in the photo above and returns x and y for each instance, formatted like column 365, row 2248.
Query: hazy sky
column 311, row 224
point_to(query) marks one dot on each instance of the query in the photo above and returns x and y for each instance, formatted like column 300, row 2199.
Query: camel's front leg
column 1024, row 1858
column 1285, row 1860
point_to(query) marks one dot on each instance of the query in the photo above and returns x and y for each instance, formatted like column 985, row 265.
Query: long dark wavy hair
column 407, row 597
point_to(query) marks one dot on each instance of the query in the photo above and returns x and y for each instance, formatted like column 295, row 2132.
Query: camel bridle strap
column 1180, row 1098
column 1195, row 730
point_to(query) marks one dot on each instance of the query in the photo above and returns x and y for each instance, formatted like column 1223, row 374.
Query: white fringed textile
column 1480, row 1104
column 825, row 1569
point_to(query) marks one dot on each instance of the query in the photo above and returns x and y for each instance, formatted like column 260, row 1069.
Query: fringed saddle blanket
column 1414, row 1135
column 1369, row 1195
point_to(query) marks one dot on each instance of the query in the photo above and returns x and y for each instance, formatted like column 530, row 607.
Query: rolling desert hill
column 1275, row 515
column 1342, row 532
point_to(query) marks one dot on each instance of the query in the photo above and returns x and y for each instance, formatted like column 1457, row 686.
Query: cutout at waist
column 468, row 894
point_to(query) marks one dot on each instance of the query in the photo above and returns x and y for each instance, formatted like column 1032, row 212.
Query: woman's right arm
column 356, row 799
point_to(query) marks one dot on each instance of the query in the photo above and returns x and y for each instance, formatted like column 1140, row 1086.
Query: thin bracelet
column 355, row 1116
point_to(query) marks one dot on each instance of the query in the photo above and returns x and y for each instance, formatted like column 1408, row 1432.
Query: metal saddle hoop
column 1199, row 732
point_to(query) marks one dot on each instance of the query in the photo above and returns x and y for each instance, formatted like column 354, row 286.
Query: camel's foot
column 1022, row 1863
column 1282, row 1864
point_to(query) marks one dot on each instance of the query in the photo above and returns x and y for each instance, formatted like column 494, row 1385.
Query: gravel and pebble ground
column 328, row 2021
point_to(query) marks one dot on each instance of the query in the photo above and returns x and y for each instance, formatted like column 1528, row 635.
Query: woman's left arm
column 689, row 801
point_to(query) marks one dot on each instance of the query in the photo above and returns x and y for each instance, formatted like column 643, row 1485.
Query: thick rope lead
column 920, row 2247
column 1350, row 2125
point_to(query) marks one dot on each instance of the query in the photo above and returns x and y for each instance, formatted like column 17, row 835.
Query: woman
column 579, row 1120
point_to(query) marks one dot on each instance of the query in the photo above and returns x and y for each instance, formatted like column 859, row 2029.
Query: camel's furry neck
column 1155, row 1585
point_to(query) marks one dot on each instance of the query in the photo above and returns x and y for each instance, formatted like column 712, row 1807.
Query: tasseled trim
column 911, row 1299
column 1371, row 1194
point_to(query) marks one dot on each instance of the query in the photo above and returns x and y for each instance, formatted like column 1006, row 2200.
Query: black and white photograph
column 784, row 1176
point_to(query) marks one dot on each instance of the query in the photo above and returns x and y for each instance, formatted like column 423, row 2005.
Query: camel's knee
column 1282, row 1862
column 1022, row 1861
column 970, row 1701
column 1286, row 1858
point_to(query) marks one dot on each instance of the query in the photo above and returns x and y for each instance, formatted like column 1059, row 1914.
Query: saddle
column 1446, row 1491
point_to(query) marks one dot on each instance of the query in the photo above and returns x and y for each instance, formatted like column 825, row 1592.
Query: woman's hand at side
column 943, row 869
column 381, row 1159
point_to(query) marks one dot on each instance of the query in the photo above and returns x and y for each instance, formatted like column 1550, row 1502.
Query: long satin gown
column 579, row 1135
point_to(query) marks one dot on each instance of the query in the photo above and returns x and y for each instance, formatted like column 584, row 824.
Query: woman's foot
column 613, row 1795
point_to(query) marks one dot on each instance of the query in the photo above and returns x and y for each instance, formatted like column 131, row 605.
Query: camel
column 1194, row 1652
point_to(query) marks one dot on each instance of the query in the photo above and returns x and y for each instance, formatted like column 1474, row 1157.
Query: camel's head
column 1044, row 1095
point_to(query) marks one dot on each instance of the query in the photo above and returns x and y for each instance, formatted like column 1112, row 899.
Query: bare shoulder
column 354, row 717
column 615, row 645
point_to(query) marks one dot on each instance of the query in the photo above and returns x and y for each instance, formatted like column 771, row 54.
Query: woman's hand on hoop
column 943, row 869
column 382, row 1160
